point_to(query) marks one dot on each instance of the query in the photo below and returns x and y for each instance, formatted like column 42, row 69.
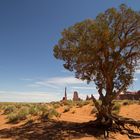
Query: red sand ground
column 78, row 115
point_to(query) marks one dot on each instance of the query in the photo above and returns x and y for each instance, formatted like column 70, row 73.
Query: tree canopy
column 105, row 50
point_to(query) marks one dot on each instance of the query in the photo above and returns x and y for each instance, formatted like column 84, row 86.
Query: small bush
column 17, row 116
column 66, row 109
column 9, row 109
column 68, row 103
column 50, row 113
column 56, row 106
column 42, row 109
column 116, row 108
column 73, row 111
column 33, row 110
column 126, row 103
column 22, row 114
column 12, row 117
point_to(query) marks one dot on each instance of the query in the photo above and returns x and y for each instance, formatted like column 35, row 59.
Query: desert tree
column 106, row 51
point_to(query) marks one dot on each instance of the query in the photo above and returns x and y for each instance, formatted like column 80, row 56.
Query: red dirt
column 79, row 115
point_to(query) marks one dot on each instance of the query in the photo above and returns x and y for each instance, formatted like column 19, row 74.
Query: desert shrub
column 20, row 115
column 56, row 106
column 50, row 113
column 116, row 108
column 23, row 112
column 43, row 109
column 73, row 111
column 66, row 109
column 33, row 110
column 12, row 117
column 82, row 103
column 9, row 109
column 68, row 103
column 126, row 102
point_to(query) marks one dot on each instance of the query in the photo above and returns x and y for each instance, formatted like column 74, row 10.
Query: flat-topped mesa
column 75, row 96
column 128, row 95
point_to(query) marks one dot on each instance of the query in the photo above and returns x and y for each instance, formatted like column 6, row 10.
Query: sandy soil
column 67, row 127
column 77, row 114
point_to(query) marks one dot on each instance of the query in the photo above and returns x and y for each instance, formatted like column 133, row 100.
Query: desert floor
column 67, row 127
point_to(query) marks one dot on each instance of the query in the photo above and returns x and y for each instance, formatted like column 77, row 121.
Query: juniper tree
column 106, row 51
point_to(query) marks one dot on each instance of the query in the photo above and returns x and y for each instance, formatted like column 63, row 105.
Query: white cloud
column 135, row 79
column 26, row 79
column 84, row 88
column 55, row 82
column 138, row 71
column 41, row 83
column 64, row 80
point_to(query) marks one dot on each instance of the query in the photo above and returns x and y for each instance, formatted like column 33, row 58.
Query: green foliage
column 23, row 112
column 82, row 103
column 68, row 103
column 56, row 105
column 12, row 117
column 116, row 108
column 20, row 111
column 33, row 110
column 19, row 115
column 9, row 109
column 50, row 113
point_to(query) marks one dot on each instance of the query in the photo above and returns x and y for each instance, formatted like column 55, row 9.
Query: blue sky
column 28, row 31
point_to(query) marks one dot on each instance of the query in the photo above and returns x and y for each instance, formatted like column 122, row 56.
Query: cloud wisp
column 138, row 71
column 84, row 88
column 55, row 82
column 135, row 79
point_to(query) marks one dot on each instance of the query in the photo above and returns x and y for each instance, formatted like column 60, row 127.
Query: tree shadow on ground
column 53, row 130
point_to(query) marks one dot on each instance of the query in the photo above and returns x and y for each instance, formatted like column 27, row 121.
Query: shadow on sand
column 52, row 130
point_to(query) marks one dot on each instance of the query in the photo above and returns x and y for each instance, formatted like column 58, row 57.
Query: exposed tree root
column 123, row 125
column 119, row 124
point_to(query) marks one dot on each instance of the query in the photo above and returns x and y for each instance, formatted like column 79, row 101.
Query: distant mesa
column 128, row 95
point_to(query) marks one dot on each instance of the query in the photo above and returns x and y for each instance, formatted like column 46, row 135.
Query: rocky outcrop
column 89, row 98
column 75, row 96
column 65, row 96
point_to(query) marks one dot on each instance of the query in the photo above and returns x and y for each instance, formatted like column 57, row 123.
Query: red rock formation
column 129, row 96
column 65, row 97
column 89, row 98
column 75, row 96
